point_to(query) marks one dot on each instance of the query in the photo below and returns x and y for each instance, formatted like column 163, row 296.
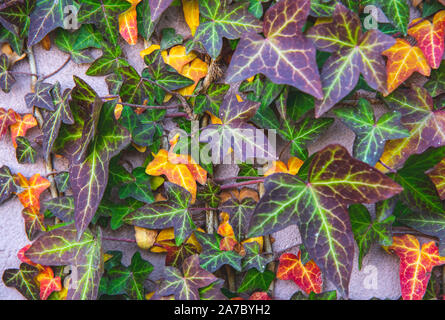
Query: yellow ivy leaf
column 191, row 14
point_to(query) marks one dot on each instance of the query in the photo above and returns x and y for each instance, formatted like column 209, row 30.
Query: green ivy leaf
column 397, row 12
column 146, row 25
column 367, row 231
column 436, row 83
column 108, row 63
column 256, row 280
column 253, row 257
column 15, row 17
column 212, row 257
column 104, row 15
column 211, row 100
column 220, row 19
column 371, row 135
column 24, row 152
column 62, row 181
column 140, row 189
column 68, row 42
column 319, row 207
column 165, row 214
column 170, row 38
column 6, row 78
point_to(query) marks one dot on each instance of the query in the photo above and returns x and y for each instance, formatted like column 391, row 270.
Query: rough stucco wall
column 378, row 277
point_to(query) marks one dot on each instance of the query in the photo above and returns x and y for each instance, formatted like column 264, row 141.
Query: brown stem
column 39, row 118
column 57, row 70
column 230, row 278
column 240, row 184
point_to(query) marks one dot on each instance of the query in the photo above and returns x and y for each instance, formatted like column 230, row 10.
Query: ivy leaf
column 46, row 16
column 184, row 285
column 53, row 120
column 436, row 83
column 48, row 283
column 170, row 38
column 212, row 99
column 146, row 25
column 129, row 280
column 104, row 15
column 134, row 88
column 209, row 194
column 109, row 62
column 328, row 295
column 62, row 181
column 24, row 152
column 7, row 118
column 370, row 134
column 23, row 280
column 319, row 207
column 15, row 18
column 240, row 212
column 220, row 19
column 21, row 126
column 368, row 231
column 212, row 257
column 426, row 126
column 254, row 280
column 419, row 192
column 253, row 257
column 301, row 134
column 32, row 189
column 140, row 189
column 283, row 47
column 6, row 78
column 177, row 254
column 41, row 97
column 397, row 12
column 437, row 176
column 233, row 132
column 68, row 42
column 307, row 276
column 213, row 291
column 61, row 207
column 430, row 38
column 128, row 27
column 7, row 184
column 353, row 53
column 416, row 264
column 165, row 214
column 403, row 60
column 60, row 247
column 157, row 7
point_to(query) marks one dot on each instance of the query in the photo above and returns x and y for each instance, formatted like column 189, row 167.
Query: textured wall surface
column 378, row 277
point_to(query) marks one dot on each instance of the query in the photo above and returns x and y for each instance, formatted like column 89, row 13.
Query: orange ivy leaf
column 196, row 70
column 430, row 38
column 293, row 166
column 48, row 283
column 307, row 276
column 23, row 258
column 7, row 118
column 191, row 14
column 403, row 60
column 21, row 125
column 33, row 187
column 227, row 244
column 178, row 58
column 128, row 27
column 260, row 296
column 416, row 264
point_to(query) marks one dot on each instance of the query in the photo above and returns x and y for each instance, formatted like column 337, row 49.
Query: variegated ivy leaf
column 53, row 120
column 353, row 53
column 425, row 123
column 166, row 214
column 240, row 212
column 371, row 134
column 41, row 97
column 104, row 15
column 244, row 139
column 419, row 193
column 128, row 280
column 68, row 42
column 368, row 231
column 319, row 206
column 284, row 55
column 47, row 16
column 212, row 257
column 7, row 184
column 253, row 257
column 60, row 247
column 24, row 152
column 146, row 25
column 61, row 207
column 397, row 11
column 219, row 18
column 23, row 280
column 89, row 174
column 184, row 285
column 6, row 78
